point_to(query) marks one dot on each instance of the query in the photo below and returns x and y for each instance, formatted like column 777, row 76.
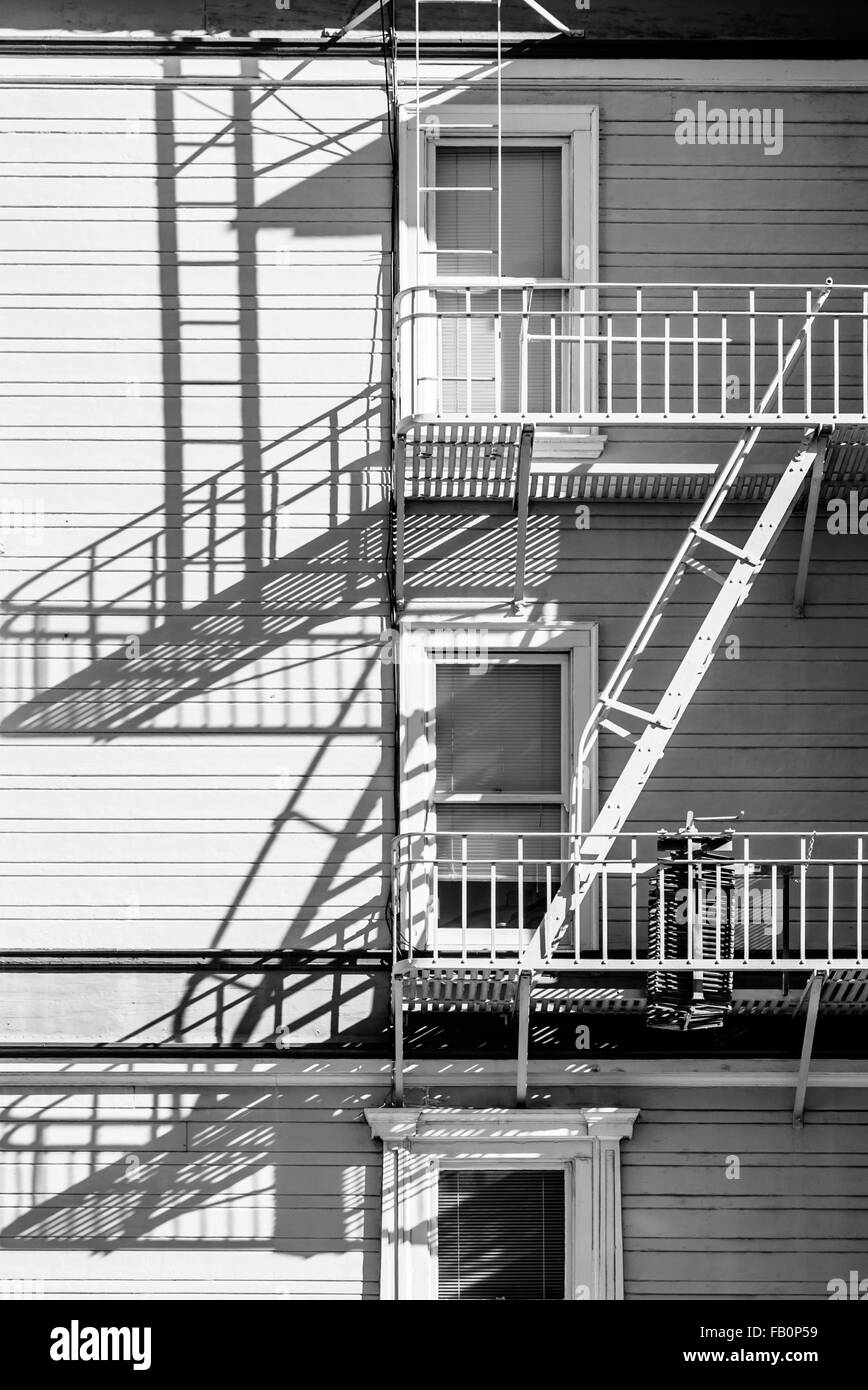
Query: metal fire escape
column 597, row 348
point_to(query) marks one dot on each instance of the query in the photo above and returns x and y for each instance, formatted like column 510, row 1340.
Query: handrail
column 664, row 352
column 792, row 900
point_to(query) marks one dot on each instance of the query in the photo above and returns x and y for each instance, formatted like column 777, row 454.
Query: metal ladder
column 658, row 725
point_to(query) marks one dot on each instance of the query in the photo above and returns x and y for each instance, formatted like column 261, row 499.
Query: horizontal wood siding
column 241, row 1193
column 778, row 732
column 194, row 356
column 794, row 1217
column 194, row 284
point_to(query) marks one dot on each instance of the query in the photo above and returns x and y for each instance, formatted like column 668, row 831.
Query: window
column 465, row 235
column 546, row 232
column 501, row 1235
column 491, row 1204
column 500, row 785
column 487, row 754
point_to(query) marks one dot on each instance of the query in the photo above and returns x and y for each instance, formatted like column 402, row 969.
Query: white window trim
column 418, row 648
column 577, row 128
column 584, row 1142
column 421, row 644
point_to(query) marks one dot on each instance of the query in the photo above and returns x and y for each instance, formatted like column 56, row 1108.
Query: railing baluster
column 638, row 352
column 576, row 867
column 865, row 353
column 604, row 909
column 696, row 352
column 718, row 911
column 634, row 949
column 468, row 350
column 667, row 365
column 463, row 898
column 860, row 861
column 691, row 888
column 544, row 932
column 609, row 344
column 520, row 889
column 830, row 920
column 809, row 366
column 752, row 347
column 582, row 354
column 493, row 911
column 498, row 354
column 836, row 363
column 803, row 894
column 723, row 366
column 411, row 920
column 661, row 909
column 435, row 906
column 522, row 351
column 553, row 355
column 780, row 376
column 774, row 912
column 441, row 385
column 746, row 905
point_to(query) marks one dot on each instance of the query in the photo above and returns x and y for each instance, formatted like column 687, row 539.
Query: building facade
column 364, row 934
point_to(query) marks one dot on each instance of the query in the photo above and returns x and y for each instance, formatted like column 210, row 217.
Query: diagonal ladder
column 657, row 726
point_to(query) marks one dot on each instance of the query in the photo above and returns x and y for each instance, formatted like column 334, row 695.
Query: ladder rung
column 461, row 188
column 618, row 729
column 706, row 570
column 631, row 709
column 719, row 542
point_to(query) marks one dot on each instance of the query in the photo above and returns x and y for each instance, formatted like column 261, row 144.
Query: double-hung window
column 481, row 358
column 500, row 792
column 520, row 211
column 489, row 783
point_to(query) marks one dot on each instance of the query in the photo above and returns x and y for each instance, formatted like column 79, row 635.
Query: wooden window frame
column 583, row 1142
column 418, row 646
column 575, row 128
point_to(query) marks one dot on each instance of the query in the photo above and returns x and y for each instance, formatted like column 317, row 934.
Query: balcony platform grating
column 462, row 463
column 450, row 989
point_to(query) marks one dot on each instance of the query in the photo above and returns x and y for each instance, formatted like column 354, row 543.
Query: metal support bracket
column 523, row 1009
column 398, row 1025
column 812, row 993
column 808, row 535
column 522, row 505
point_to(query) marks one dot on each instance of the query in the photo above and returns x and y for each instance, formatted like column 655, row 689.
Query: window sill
column 558, row 453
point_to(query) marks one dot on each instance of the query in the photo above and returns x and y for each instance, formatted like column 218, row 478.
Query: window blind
column 530, row 211
column 499, row 730
column 501, row 1235
column 492, row 838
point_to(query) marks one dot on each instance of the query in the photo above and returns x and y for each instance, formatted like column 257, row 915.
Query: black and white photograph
column 434, row 711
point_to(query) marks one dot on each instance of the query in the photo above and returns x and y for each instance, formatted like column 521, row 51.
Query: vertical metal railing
column 787, row 901
column 671, row 353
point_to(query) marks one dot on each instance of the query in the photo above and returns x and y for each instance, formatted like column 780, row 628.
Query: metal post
column 398, row 1026
column 813, row 992
column 524, row 983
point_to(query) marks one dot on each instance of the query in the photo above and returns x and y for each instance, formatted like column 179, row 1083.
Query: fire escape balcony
column 506, row 352
column 763, row 917
column 485, row 369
